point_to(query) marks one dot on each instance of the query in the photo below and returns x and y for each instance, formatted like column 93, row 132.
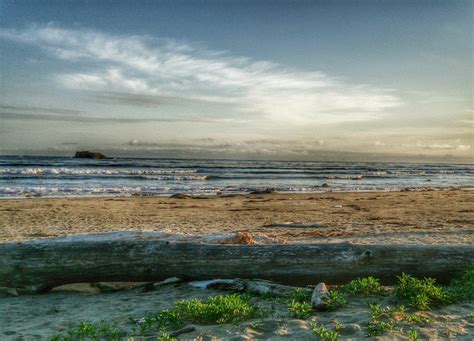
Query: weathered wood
column 254, row 286
column 187, row 329
column 147, row 256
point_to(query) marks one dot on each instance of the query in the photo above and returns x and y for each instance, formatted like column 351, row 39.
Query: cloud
column 16, row 109
column 446, row 146
column 267, row 147
column 144, row 100
column 146, row 66
column 13, row 112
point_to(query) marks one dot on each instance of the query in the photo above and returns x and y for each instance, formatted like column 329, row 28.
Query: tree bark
column 146, row 256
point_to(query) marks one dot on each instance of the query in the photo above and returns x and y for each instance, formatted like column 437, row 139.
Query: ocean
column 33, row 176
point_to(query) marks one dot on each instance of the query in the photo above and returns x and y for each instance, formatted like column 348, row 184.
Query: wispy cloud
column 13, row 112
column 146, row 66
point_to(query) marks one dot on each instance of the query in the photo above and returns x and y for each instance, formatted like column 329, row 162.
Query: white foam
column 76, row 171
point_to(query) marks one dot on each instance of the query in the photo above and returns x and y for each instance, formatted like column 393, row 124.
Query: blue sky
column 277, row 79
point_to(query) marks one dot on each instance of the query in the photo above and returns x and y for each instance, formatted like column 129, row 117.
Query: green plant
column 336, row 299
column 58, row 337
column 421, row 294
column 462, row 289
column 400, row 310
column 217, row 309
column 338, row 326
column 87, row 330
column 299, row 295
column 417, row 319
column 169, row 318
column 324, row 333
column 365, row 286
column 471, row 316
column 166, row 337
column 377, row 327
column 413, row 335
column 300, row 310
column 380, row 320
column 375, row 311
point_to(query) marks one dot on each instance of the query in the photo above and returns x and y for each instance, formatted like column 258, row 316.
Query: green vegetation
column 300, row 310
column 416, row 294
column 338, row 326
column 413, row 335
column 462, row 289
column 380, row 319
column 377, row 327
column 422, row 294
column 166, row 337
column 218, row 309
column 336, row 299
column 324, row 333
column 417, row 319
column 375, row 311
column 90, row 331
column 365, row 286
column 400, row 310
column 299, row 295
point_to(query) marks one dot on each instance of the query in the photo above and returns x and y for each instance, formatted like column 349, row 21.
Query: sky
column 240, row 79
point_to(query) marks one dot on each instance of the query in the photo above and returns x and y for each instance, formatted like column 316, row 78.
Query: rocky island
column 85, row 154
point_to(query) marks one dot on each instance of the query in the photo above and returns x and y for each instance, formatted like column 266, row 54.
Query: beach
column 427, row 216
column 436, row 216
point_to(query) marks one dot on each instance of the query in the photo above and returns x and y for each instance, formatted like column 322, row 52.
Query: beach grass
column 414, row 295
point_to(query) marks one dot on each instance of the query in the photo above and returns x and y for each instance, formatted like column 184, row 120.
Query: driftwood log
column 147, row 256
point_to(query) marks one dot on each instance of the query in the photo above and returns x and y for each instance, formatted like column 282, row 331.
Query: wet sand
column 430, row 216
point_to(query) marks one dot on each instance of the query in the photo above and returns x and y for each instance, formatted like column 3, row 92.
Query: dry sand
column 435, row 216
column 37, row 317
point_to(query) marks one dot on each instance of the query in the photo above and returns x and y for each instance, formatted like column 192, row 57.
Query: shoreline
column 221, row 195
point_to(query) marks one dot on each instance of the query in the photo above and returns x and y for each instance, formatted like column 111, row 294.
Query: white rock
column 319, row 295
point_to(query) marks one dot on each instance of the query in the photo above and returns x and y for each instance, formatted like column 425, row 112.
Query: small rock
column 324, row 185
column 180, row 196
column 319, row 296
column 263, row 191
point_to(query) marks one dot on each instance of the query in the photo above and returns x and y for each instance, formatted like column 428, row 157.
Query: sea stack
column 89, row 155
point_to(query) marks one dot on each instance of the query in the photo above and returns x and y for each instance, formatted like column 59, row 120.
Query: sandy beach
column 425, row 217
column 429, row 216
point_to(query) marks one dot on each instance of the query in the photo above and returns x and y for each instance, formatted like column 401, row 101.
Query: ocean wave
column 86, row 171
column 176, row 178
column 345, row 177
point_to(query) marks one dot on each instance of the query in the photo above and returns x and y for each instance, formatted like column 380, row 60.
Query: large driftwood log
column 147, row 256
